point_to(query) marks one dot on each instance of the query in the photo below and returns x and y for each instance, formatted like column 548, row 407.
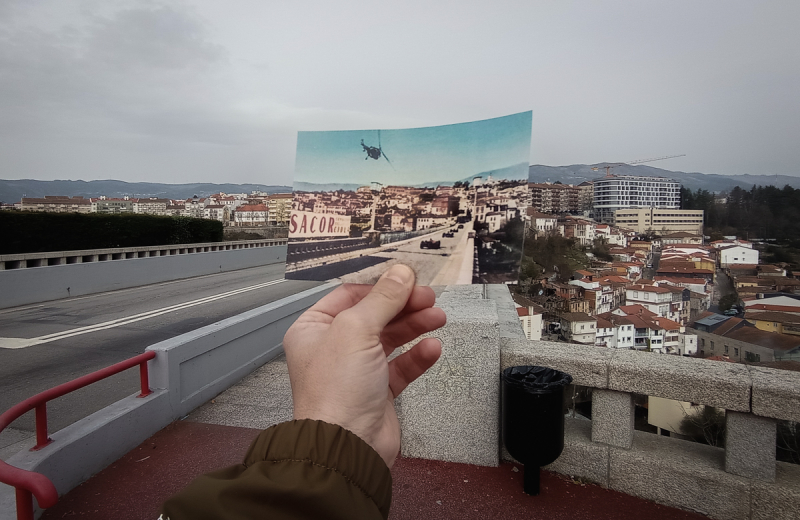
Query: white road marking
column 15, row 343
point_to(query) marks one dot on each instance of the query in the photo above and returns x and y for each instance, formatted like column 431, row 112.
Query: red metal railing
column 29, row 484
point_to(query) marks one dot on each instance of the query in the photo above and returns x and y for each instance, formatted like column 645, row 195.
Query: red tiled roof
column 636, row 309
column 768, row 307
column 522, row 311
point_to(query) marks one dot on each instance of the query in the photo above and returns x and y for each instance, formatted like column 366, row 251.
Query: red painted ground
column 134, row 487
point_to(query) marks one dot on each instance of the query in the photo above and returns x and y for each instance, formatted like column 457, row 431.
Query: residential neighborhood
column 232, row 209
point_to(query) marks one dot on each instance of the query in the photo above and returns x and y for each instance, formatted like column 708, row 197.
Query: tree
column 705, row 425
column 728, row 301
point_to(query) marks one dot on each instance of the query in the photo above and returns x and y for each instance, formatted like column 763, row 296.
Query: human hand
column 337, row 355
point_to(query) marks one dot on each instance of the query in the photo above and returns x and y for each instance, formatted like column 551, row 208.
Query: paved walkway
column 219, row 433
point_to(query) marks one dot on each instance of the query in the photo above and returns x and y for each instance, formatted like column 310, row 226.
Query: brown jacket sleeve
column 294, row 470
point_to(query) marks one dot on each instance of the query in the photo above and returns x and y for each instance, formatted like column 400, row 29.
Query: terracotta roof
column 681, row 234
column 742, row 266
column 577, row 316
column 727, row 326
column 770, row 340
column 636, row 309
column 667, row 323
column 768, row 307
column 780, row 317
column 522, row 311
column 688, row 281
column 251, row 207
column 651, row 289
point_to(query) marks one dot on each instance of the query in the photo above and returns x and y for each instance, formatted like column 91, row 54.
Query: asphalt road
column 433, row 266
column 77, row 336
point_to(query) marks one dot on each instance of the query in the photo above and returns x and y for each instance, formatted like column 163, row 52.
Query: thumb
column 386, row 299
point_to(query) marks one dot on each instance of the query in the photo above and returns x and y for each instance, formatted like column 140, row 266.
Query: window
column 712, row 346
column 726, row 349
column 736, row 352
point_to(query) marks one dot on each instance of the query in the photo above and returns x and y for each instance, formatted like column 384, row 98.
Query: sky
column 209, row 91
column 445, row 153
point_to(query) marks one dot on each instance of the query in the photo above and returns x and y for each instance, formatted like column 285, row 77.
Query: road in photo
column 452, row 263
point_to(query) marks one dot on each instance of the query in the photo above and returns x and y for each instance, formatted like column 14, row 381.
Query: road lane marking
column 16, row 343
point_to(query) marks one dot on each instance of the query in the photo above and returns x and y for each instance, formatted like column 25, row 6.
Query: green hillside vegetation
column 34, row 232
column 763, row 212
column 550, row 252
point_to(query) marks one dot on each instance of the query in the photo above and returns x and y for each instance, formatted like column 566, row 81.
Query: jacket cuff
column 331, row 446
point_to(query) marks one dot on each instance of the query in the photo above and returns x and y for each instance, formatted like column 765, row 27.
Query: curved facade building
column 630, row 191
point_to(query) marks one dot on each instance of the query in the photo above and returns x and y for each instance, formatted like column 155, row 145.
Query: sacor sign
column 306, row 224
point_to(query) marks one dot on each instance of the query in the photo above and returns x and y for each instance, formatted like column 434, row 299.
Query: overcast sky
column 211, row 91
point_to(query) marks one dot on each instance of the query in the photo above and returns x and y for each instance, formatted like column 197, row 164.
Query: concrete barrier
column 188, row 370
column 34, row 285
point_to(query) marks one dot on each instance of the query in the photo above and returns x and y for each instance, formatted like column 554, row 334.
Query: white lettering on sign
column 307, row 224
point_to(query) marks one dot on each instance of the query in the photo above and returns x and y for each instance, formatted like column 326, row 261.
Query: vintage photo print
column 448, row 201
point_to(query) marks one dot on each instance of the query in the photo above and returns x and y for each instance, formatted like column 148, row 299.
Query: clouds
column 201, row 90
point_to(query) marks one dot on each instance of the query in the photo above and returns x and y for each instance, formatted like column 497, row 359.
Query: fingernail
column 400, row 273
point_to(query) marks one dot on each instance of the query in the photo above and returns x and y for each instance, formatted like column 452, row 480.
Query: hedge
column 36, row 232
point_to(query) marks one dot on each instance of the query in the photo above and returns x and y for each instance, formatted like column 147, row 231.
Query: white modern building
column 737, row 255
column 617, row 192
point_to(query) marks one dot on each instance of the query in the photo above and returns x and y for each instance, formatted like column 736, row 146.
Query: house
column 251, row 215
column 774, row 321
column 738, row 340
column 542, row 223
column 217, row 212
column 681, row 237
column 737, row 254
column 578, row 327
column 531, row 321
column 655, row 299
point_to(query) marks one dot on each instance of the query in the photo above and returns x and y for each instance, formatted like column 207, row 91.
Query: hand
column 337, row 355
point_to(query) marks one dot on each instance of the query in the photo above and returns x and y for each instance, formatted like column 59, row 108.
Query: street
column 47, row 344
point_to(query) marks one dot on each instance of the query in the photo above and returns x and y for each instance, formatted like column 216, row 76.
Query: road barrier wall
column 52, row 276
column 188, row 370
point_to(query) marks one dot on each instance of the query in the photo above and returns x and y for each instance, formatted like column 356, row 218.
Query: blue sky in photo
column 440, row 153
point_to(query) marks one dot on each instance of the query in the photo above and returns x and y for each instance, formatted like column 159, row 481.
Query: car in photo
column 430, row 244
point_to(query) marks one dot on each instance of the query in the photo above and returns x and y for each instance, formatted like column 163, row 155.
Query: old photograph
column 448, row 201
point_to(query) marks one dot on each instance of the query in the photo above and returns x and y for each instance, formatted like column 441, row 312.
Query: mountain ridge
column 12, row 191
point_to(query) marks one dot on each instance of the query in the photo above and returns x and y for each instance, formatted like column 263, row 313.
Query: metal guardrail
column 27, row 260
column 28, row 483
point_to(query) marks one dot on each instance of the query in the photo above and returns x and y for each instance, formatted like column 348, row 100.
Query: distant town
column 614, row 262
column 639, row 273
column 232, row 209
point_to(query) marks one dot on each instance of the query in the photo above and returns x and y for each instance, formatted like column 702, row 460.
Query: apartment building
column 280, row 207
column 151, row 206
column 617, row 192
column 56, row 204
column 113, row 205
column 661, row 220
column 560, row 198
column 251, row 215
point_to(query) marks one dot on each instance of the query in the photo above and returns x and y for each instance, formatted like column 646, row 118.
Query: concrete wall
column 34, row 285
column 188, row 370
